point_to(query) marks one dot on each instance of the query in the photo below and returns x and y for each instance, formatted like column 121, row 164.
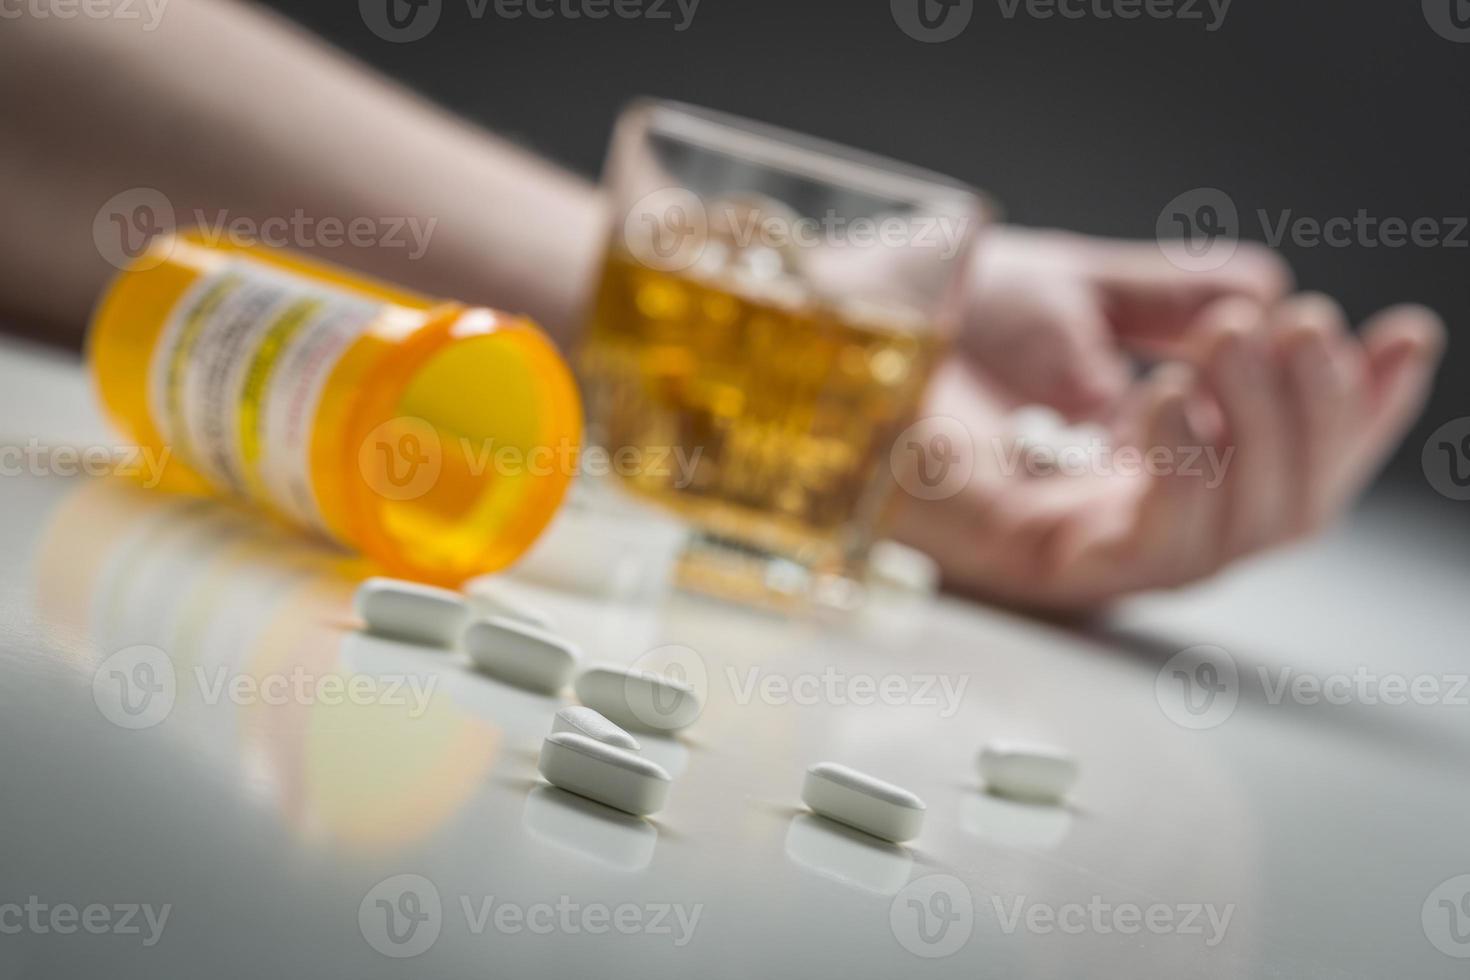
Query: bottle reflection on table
column 249, row 621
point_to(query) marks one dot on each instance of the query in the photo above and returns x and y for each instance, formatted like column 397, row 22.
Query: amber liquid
column 782, row 407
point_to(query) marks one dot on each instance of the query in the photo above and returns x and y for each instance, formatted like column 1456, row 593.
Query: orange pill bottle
column 436, row 438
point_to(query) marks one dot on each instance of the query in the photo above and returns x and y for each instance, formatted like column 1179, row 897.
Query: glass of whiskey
column 770, row 310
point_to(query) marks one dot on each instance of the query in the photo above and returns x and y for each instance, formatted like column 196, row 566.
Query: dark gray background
column 1322, row 107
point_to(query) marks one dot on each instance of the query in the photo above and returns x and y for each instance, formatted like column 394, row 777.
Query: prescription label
column 238, row 375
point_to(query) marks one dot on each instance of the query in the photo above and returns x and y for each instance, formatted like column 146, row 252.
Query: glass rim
column 811, row 157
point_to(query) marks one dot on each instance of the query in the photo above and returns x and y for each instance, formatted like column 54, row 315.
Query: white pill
column 1046, row 439
column 1027, row 770
column 638, row 699
column 862, row 801
column 604, row 773
column 1036, row 421
column 521, row 653
column 585, row 721
column 410, row 611
column 903, row 568
column 489, row 596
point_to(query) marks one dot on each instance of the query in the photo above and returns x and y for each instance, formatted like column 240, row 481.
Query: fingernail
column 1315, row 310
column 1431, row 330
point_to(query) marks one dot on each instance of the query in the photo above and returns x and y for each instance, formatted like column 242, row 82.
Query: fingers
column 1402, row 347
column 1300, row 415
column 1153, row 304
column 1151, row 527
column 1053, row 351
column 1171, row 538
column 1035, row 326
column 1322, row 369
column 1242, row 375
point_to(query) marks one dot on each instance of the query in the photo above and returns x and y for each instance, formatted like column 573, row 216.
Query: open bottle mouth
column 464, row 458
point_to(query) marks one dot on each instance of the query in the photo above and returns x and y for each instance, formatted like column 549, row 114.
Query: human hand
column 1266, row 421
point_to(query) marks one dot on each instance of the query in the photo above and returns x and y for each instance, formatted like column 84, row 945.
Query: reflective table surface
column 207, row 770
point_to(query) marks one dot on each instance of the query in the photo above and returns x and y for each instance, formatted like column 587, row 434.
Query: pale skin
column 1307, row 408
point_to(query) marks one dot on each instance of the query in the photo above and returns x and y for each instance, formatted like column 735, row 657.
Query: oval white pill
column 521, row 653
column 604, row 773
column 1027, row 770
column 638, row 699
column 585, row 721
column 489, row 596
column 903, row 568
column 410, row 611
column 862, row 801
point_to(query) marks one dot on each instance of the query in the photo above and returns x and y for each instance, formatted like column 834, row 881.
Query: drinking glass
column 770, row 310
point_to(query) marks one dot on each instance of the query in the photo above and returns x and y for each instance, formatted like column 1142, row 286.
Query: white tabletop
column 1283, row 838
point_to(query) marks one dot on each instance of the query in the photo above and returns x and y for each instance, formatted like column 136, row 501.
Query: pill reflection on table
column 1023, row 824
column 846, row 855
column 588, row 829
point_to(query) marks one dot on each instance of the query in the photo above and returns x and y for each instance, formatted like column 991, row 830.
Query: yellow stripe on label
column 240, row 373
column 273, row 344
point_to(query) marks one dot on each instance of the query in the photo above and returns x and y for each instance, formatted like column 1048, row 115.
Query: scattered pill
column 489, row 596
column 604, row 773
column 862, row 801
column 1027, row 770
column 1046, row 439
column 410, row 611
column 585, row 721
column 1035, row 424
column 521, row 653
column 903, row 568
column 638, row 699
